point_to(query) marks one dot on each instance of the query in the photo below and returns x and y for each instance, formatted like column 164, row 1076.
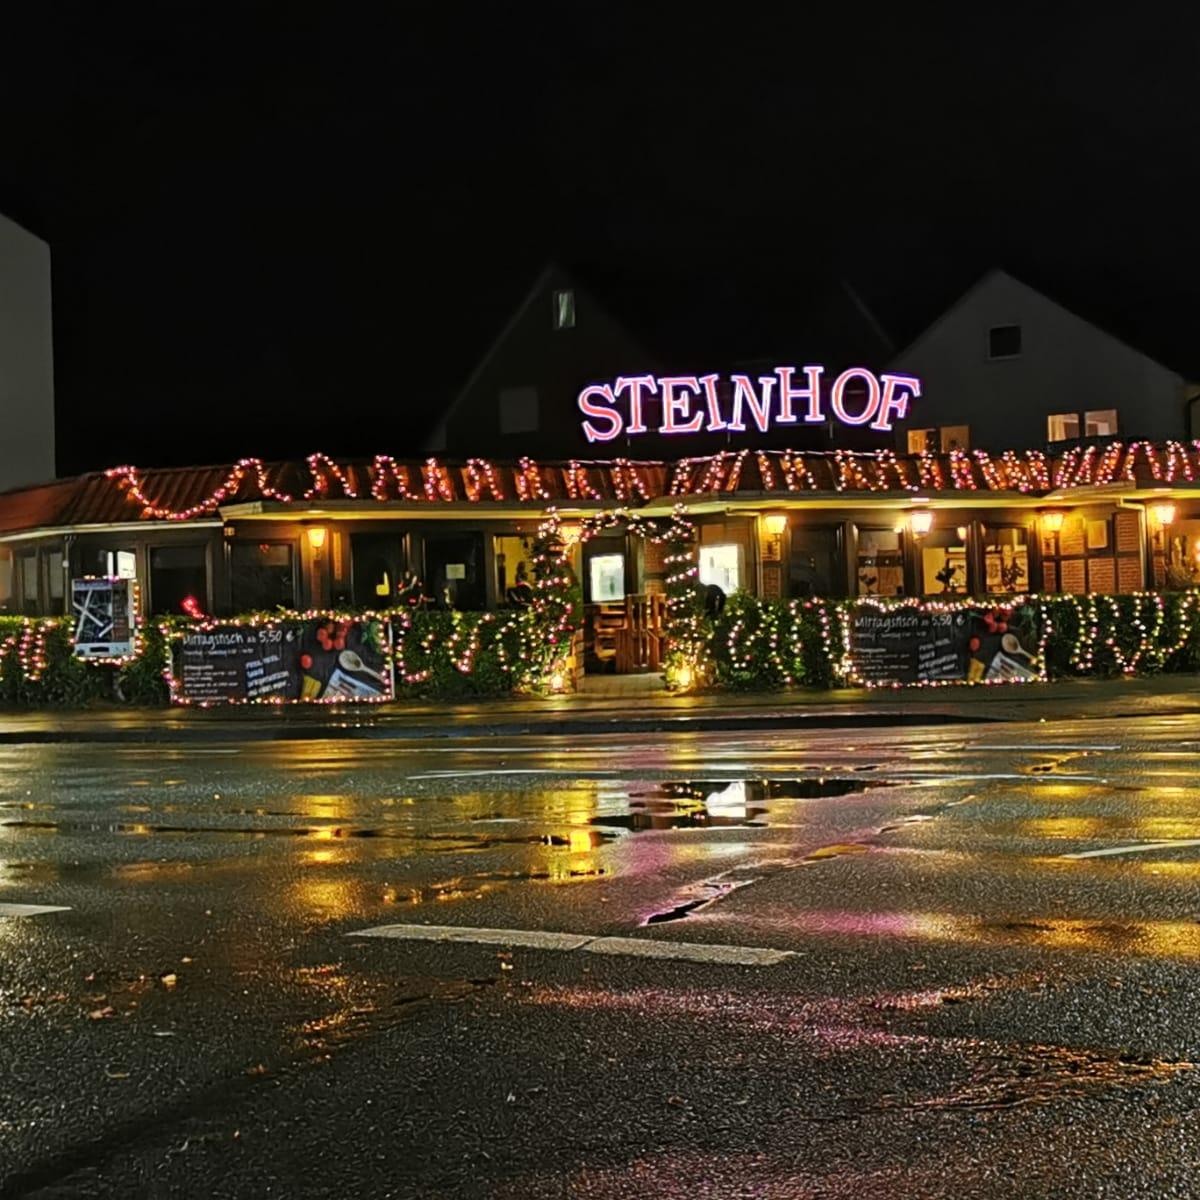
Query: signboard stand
column 105, row 612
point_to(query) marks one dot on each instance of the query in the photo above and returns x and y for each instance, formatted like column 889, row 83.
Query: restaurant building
column 834, row 480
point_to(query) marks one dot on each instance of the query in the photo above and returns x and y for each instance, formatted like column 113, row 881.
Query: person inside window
column 409, row 592
column 521, row 593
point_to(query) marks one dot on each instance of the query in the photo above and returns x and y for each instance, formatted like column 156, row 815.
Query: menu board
column 319, row 660
column 912, row 644
column 104, row 617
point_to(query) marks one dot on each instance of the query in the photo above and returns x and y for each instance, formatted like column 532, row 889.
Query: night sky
column 278, row 235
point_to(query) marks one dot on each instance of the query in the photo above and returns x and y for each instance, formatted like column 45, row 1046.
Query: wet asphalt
column 968, row 1010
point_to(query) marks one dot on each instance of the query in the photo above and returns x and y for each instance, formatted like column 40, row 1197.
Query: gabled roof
column 985, row 280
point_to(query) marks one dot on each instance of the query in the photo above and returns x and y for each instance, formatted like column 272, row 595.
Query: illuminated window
column 564, row 309
column 1004, row 341
column 943, row 563
column 921, row 440
column 606, row 572
column 955, row 437
column 518, row 410
column 1062, row 427
column 1101, row 423
column 1006, row 559
column 880, row 563
column 721, row 566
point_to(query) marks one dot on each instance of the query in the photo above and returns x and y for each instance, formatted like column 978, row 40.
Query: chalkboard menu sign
column 319, row 660
column 915, row 643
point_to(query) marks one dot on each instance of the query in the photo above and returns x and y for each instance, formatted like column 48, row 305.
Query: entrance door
column 377, row 561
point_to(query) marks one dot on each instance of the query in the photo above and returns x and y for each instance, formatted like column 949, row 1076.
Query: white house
column 1007, row 368
column 26, row 359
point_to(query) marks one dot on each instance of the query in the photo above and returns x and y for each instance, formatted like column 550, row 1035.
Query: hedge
column 753, row 645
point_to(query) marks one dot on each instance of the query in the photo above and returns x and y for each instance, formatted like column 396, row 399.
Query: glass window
column 1004, row 341
column 177, row 573
column 263, row 575
column 101, row 561
column 606, row 574
column 813, row 563
column 880, row 563
column 514, row 568
column 518, row 410
column 1101, row 423
column 29, row 583
column 943, row 563
column 564, row 309
column 6, row 580
column 922, row 440
column 53, row 559
column 1006, row 559
column 454, row 576
column 1062, row 427
column 955, row 437
column 720, row 566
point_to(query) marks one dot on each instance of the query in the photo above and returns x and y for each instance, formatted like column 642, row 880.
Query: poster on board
column 105, row 617
column 915, row 644
column 323, row 660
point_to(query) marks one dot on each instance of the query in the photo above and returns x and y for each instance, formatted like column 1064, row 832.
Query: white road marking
column 30, row 910
column 1136, row 848
column 700, row 952
column 535, row 939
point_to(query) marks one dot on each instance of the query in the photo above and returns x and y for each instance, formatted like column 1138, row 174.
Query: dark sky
column 278, row 234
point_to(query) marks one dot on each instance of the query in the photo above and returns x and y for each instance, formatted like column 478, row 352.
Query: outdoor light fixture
column 920, row 522
column 962, row 533
column 775, row 523
column 1052, row 522
column 316, row 536
column 1163, row 512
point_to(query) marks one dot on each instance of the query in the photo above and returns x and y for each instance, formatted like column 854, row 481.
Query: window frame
column 992, row 329
column 293, row 547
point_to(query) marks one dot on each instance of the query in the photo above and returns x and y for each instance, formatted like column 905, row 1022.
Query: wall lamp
column 1052, row 522
column 1163, row 512
column 775, row 523
column 920, row 522
column 316, row 536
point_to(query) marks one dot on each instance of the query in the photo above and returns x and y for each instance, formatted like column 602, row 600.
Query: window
column 513, row 556
column 29, row 583
column 564, row 309
column 943, row 563
column 100, row 560
column 1006, row 559
column 263, row 575
column 454, row 575
column 922, row 440
column 1004, row 341
column 606, row 573
column 721, row 566
column 880, row 563
column 1062, row 427
column 955, row 437
column 53, row 558
column 1101, row 423
column 177, row 572
column 6, row 580
column 813, row 562
column 518, row 410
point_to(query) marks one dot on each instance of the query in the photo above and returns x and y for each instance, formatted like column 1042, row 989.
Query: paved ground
column 989, row 943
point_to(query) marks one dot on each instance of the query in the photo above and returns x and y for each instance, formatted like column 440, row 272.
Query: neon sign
column 696, row 403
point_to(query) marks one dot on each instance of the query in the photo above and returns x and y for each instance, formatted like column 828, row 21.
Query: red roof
column 127, row 494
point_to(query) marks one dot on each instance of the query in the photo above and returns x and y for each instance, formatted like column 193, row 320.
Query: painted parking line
column 535, row 939
column 31, row 910
column 1136, row 848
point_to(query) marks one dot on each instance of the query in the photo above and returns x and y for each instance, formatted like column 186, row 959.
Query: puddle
column 715, row 804
column 693, row 898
